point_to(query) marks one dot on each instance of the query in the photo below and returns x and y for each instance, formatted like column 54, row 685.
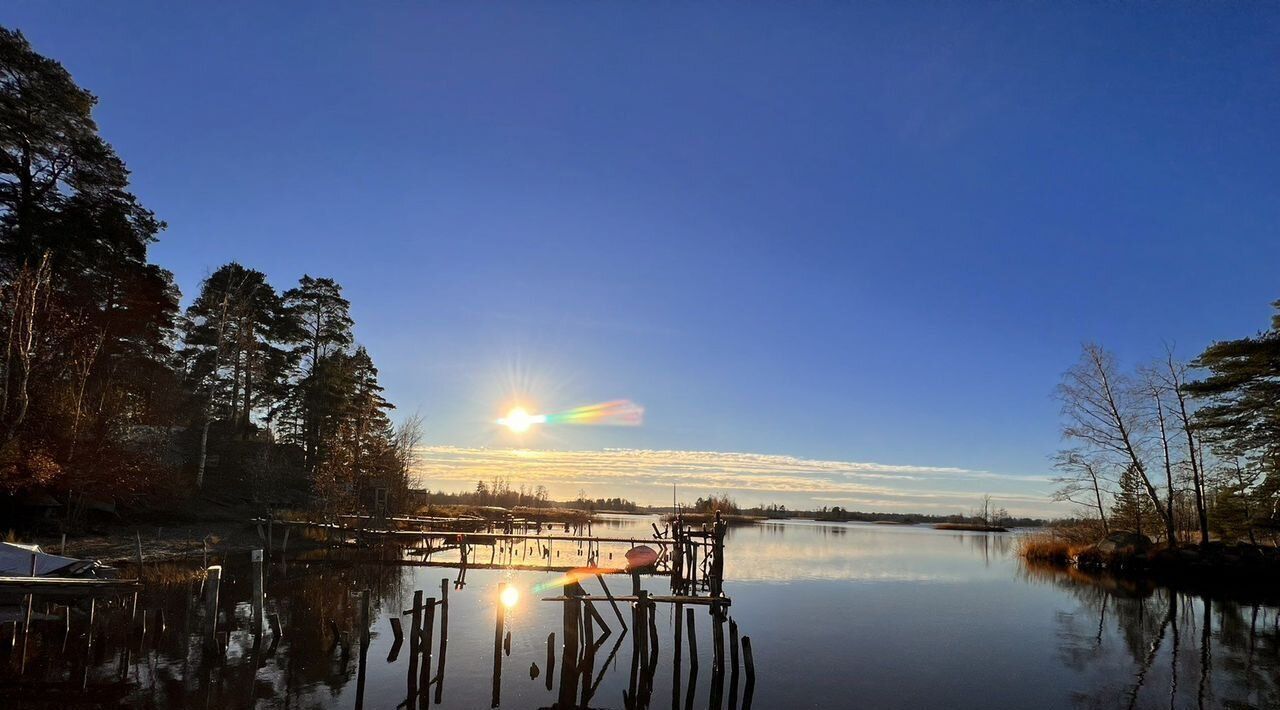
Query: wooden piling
column 500, row 618
column 427, row 639
column 693, row 638
column 612, row 602
column 637, row 653
column 255, row 560
column 569, row 654
column 364, row 618
column 733, row 661
column 444, row 638
column 586, row 668
column 717, row 641
column 364, row 644
column 643, row 609
column 415, row 627
column 213, row 581
column 676, row 649
column 551, row 657
column 750, row 666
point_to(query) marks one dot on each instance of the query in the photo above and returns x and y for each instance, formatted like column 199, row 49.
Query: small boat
column 16, row 560
column 641, row 556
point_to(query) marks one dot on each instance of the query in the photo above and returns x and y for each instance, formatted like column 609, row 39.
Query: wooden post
column 364, row 641
column 612, row 602
column 426, row 638
column 444, row 638
column 213, row 580
column 750, row 666
column 255, row 560
column 500, row 618
column 733, row 658
column 642, row 628
column 588, row 651
column 676, row 649
column 717, row 657
column 364, row 619
column 415, row 627
column 717, row 640
column 398, row 633
column 633, row 685
column 569, row 652
column 693, row 638
column 551, row 657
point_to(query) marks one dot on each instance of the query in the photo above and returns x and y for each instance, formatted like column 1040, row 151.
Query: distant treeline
column 499, row 492
column 984, row 514
column 836, row 513
column 109, row 393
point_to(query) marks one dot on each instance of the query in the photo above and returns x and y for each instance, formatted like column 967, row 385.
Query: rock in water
column 533, row 670
column 1120, row 540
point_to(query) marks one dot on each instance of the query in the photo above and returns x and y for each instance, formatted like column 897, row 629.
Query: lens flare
column 619, row 412
column 519, row 420
column 509, row 596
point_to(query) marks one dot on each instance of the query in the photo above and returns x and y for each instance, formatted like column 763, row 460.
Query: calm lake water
column 839, row 615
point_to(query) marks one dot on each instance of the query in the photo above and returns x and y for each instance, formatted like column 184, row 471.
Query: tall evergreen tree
column 86, row 319
column 234, row 332
column 1241, row 413
column 323, row 319
column 1132, row 509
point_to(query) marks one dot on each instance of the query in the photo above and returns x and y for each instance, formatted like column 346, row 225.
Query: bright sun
column 518, row 420
column 509, row 596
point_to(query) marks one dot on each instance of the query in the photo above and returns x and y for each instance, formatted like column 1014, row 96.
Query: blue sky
column 843, row 232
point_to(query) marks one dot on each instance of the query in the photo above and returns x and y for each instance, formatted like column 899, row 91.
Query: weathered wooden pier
column 594, row 620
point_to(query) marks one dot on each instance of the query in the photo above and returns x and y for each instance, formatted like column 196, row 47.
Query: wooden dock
column 67, row 586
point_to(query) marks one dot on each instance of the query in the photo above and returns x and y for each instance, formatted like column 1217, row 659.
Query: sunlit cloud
column 647, row 476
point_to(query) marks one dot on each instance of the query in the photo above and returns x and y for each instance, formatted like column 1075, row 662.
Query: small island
column 1172, row 465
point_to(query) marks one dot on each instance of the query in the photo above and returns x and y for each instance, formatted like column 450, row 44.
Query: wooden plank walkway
column 46, row 586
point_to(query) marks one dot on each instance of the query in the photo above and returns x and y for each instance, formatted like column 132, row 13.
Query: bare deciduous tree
column 1082, row 482
column 1101, row 410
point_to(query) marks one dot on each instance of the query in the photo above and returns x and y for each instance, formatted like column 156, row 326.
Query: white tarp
column 15, row 561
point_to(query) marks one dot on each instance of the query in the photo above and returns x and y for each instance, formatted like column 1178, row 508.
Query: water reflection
column 1155, row 646
column 928, row 618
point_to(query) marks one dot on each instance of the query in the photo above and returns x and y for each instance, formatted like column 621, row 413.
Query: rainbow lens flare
column 619, row 412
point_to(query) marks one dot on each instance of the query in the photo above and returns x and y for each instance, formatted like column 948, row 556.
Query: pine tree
column 86, row 319
column 1132, row 510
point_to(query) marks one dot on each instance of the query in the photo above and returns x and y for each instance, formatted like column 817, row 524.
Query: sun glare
column 509, row 596
column 518, row 420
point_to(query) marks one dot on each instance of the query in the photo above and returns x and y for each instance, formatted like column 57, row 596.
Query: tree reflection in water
column 1140, row 645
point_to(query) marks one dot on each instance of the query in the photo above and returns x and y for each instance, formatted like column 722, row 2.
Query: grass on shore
column 1047, row 547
